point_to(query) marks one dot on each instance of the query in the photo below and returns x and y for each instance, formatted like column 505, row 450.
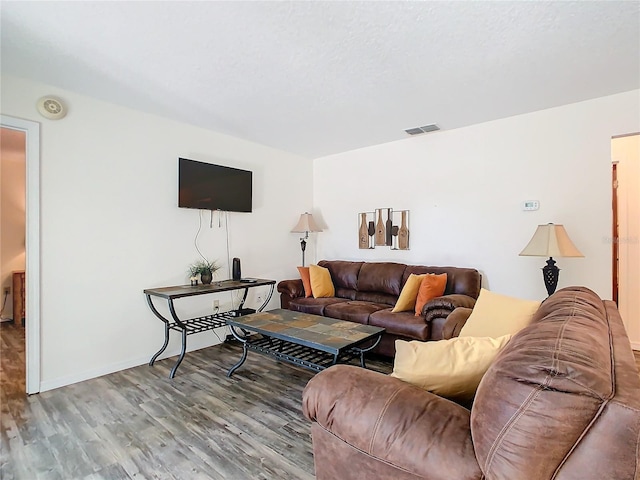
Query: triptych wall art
column 384, row 227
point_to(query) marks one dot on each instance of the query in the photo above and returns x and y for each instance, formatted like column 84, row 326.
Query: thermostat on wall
column 530, row 205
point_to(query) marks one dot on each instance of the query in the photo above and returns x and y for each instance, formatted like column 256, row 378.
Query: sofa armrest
column 441, row 307
column 292, row 288
column 455, row 321
column 393, row 421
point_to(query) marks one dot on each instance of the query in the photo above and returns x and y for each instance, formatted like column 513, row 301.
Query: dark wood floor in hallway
column 140, row 424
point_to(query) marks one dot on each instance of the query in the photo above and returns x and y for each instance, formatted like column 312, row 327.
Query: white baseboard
column 116, row 367
column 635, row 346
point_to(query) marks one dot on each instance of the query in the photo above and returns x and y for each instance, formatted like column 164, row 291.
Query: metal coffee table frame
column 310, row 355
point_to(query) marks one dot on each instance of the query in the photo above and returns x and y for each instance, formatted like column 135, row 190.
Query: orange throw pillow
column 306, row 280
column 432, row 286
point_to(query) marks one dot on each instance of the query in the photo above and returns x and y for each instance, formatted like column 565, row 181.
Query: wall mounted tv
column 213, row 187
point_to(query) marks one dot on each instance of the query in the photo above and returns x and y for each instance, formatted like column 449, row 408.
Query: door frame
column 32, row 248
column 615, row 240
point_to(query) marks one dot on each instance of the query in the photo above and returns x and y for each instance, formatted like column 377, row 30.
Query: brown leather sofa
column 367, row 291
column 561, row 401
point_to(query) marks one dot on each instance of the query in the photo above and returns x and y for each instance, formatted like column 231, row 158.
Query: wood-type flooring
column 140, row 424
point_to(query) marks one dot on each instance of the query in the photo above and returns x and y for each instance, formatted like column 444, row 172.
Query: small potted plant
column 205, row 268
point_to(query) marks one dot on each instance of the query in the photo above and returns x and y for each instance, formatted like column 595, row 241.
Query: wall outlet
column 216, row 304
column 7, row 290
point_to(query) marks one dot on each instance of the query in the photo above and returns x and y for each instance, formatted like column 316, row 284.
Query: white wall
column 465, row 187
column 626, row 151
column 110, row 227
column 12, row 211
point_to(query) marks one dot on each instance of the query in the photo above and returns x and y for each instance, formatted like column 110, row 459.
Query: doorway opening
column 625, row 241
column 12, row 261
column 614, row 231
column 31, row 241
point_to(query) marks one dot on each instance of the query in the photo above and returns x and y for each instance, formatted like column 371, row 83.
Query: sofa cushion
column 432, row 286
column 344, row 274
column 353, row 311
column 404, row 324
column 545, row 402
column 409, row 294
column 422, row 435
column 374, row 297
column 346, row 293
column 312, row 305
column 321, row 283
column 306, row 281
column 381, row 277
column 464, row 281
column 451, row 368
column 495, row 315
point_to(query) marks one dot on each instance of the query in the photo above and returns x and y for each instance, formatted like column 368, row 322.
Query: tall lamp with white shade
column 550, row 240
column 305, row 225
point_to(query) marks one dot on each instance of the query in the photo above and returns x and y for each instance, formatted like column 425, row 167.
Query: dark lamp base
column 303, row 247
column 551, row 273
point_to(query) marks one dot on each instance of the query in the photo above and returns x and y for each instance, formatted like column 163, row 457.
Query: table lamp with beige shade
column 550, row 240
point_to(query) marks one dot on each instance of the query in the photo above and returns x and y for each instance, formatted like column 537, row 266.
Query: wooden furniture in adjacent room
column 18, row 296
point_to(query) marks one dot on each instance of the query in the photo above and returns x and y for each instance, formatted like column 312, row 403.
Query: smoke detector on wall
column 51, row 107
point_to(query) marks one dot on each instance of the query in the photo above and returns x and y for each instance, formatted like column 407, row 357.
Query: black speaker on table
column 236, row 269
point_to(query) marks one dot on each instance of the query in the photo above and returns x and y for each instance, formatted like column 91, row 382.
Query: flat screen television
column 213, row 187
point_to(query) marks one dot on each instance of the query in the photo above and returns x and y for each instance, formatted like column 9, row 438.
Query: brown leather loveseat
column 561, row 401
column 367, row 291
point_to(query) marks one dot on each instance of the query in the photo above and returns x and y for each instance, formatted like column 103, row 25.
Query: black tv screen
column 213, row 187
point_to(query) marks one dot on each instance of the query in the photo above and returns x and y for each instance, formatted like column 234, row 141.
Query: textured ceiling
column 317, row 78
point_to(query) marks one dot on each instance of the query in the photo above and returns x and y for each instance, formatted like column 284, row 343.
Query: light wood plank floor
column 140, row 424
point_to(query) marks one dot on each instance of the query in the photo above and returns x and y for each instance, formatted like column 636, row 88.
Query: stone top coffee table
column 307, row 340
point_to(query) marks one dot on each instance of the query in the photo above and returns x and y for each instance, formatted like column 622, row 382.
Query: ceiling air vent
column 51, row 107
column 420, row 130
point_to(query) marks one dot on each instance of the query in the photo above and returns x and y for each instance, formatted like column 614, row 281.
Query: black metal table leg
column 182, row 352
column 237, row 365
column 266, row 300
column 166, row 330
column 365, row 350
column 164, row 346
column 242, row 339
column 335, row 359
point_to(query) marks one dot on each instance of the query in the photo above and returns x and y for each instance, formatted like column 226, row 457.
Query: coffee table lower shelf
column 300, row 355
column 310, row 341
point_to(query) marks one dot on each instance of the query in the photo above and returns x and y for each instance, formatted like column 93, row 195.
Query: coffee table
column 303, row 339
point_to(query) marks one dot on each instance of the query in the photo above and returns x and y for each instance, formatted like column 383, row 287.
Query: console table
column 200, row 324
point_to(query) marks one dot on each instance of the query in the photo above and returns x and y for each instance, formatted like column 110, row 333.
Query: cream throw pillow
column 450, row 368
column 495, row 315
column 409, row 294
column 321, row 283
